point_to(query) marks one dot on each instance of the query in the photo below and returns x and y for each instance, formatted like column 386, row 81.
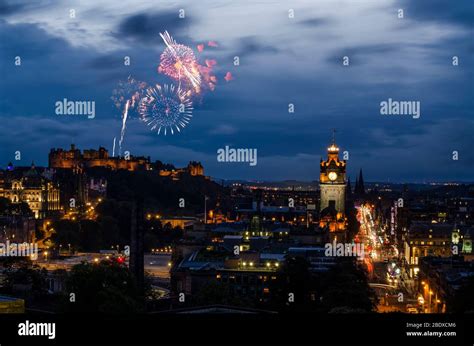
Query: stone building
column 30, row 186
column 75, row 159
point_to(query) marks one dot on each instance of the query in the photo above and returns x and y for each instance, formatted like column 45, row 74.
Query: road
column 380, row 258
column 156, row 265
column 368, row 236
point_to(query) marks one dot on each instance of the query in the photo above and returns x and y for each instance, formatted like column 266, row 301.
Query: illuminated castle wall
column 194, row 168
column 73, row 158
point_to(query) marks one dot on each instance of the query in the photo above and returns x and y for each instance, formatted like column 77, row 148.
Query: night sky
column 282, row 60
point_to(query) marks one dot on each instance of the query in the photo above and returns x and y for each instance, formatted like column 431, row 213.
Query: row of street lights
column 428, row 292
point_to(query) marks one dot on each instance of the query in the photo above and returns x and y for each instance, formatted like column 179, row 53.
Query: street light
column 429, row 304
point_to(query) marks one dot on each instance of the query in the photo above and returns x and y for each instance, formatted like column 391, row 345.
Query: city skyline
column 352, row 180
column 406, row 59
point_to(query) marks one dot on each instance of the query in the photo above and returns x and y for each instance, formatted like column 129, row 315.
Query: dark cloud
column 314, row 22
column 111, row 61
column 28, row 41
column 12, row 7
column 358, row 54
column 459, row 11
column 253, row 45
column 8, row 8
column 145, row 27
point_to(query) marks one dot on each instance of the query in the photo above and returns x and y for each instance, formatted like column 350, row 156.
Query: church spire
column 361, row 183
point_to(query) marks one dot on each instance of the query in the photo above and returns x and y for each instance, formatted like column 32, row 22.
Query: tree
column 9, row 208
column 110, row 231
column 296, row 283
column 463, row 299
column 105, row 287
column 346, row 288
column 90, row 235
column 66, row 232
column 114, row 219
column 27, row 280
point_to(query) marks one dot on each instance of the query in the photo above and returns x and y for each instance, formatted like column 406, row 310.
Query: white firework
column 166, row 109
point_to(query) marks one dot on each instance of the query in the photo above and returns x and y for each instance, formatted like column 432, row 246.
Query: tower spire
column 333, row 149
column 361, row 183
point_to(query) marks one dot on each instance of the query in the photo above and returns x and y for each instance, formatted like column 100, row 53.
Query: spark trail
column 178, row 62
column 125, row 98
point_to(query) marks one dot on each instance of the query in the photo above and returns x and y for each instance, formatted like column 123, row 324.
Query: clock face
column 332, row 176
column 455, row 237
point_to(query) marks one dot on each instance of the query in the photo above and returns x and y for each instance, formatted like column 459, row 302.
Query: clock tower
column 332, row 181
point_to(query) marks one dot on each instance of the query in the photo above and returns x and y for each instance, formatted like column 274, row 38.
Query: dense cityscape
column 97, row 233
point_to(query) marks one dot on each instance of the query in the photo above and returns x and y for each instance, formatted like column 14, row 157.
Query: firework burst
column 125, row 97
column 130, row 91
column 166, row 109
column 178, row 62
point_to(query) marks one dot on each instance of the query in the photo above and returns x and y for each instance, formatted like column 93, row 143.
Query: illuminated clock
column 332, row 176
column 455, row 237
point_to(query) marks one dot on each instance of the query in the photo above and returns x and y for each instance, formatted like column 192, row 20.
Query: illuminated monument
column 332, row 183
column 75, row 159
